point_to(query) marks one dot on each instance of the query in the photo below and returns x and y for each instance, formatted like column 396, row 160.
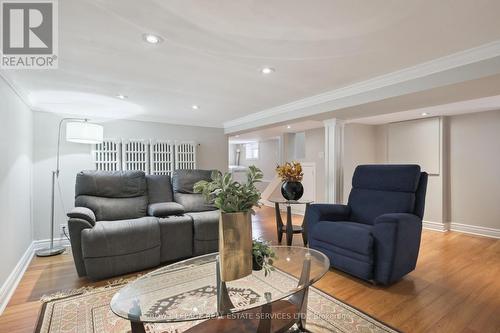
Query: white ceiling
column 274, row 132
column 213, row 51
column 469, row 106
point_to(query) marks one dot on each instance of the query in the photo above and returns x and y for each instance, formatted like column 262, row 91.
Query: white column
column 334, row 137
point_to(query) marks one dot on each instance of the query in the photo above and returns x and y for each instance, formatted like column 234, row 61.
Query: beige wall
column 475, row 169
column 211, row 153
column 268, row 157
column 420, row 142
column 15, row 181
column 360, row 147
column 315, row 152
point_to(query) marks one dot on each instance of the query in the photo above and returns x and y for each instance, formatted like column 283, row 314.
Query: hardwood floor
column 455, row 288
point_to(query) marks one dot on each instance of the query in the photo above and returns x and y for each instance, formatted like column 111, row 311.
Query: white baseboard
column 10, row 285
column 475, row 230
column 15, row 276
column 39, row 244
column 436, row 226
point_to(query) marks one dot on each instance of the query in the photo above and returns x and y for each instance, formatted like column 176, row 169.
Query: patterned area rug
column 87, row 310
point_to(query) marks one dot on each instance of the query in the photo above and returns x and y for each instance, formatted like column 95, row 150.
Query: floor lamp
column 78, row 130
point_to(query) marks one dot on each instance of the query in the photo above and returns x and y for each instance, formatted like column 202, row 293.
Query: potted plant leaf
column 263, row 256
column 235, row 201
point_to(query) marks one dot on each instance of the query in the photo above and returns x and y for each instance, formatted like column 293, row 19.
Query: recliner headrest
column 387, row 177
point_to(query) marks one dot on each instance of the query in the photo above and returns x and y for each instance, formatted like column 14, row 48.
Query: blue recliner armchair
column 376, row 236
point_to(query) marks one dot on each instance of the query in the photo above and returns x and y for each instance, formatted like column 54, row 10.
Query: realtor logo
column 29, row 34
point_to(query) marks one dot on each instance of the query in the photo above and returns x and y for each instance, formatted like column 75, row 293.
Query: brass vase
column 235, row 245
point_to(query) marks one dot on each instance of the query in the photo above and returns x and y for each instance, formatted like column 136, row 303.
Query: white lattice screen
column 154, row 157
column 107, row 155
column 185, row 155
column 161, row 155
column 135, row 155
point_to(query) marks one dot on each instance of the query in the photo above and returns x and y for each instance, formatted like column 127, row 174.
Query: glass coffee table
column 190, row 293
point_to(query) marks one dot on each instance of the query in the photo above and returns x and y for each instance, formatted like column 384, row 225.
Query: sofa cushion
column 205, row 225
column 193, row 202
column 159, row 188
column 115, row 238
column 184, row 180
column 176, row 234
column 162, row 209
column 109, row 209
column 350, row 236
column 111, row 184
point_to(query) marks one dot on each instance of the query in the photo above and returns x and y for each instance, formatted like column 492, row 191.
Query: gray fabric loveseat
column 127, row 221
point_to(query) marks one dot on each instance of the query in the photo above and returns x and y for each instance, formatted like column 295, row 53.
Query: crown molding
column 465, row 65
column 17, row 90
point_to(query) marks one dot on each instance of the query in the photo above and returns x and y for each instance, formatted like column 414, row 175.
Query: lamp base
column 48, row 252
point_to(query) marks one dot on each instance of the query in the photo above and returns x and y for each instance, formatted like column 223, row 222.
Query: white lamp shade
column 84, row 132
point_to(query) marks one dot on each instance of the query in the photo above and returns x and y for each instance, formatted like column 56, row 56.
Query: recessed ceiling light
column 425, row 114
column 237, row 136
column 120, row 96
column 195, row 107
column 288, row 126
column 267, row 70
column 152, row 39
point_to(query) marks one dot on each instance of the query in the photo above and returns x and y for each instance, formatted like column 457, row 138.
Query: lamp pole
column 54, row 250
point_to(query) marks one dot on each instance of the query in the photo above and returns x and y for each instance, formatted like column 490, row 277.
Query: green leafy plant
column 231, row 196
column 263, row 255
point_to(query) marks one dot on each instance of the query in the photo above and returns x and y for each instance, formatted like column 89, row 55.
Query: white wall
column 212, row 153
column 15, row 180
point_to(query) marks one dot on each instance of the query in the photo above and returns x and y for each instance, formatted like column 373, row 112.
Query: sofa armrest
column 83, row 213
column 397, row 243
column 325, row 212
column 164, row 209
column 75, row 227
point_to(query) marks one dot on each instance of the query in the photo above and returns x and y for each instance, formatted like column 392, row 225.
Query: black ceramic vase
column 292, row 190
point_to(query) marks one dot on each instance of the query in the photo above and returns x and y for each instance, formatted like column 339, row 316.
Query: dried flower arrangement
column 290, row 172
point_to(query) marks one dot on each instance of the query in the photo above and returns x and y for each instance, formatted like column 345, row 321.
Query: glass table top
column 187, row 290
column 291, row 202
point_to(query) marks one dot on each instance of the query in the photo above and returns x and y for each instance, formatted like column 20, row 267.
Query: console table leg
column 279, row 221
column 304, row 227
column 289, row 227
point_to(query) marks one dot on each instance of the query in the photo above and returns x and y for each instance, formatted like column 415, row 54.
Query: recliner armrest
column 397, row 243
column 164, row 209
column 75, row 227
column 83, row 213
column 325, row 212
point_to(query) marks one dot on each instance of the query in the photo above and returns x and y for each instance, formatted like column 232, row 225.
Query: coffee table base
column 283, row 315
